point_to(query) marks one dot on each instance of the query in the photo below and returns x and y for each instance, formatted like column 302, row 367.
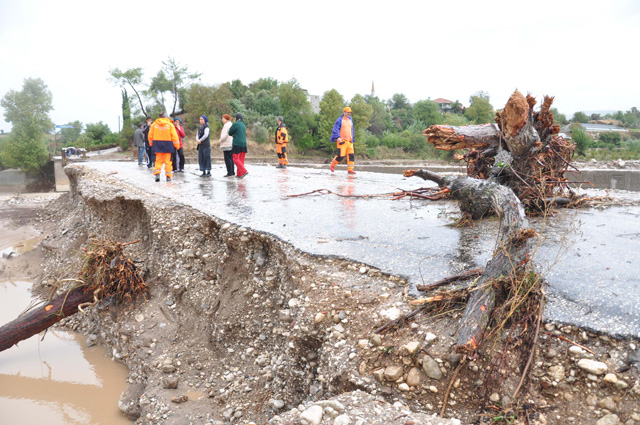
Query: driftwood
column 450, row 279
column 449, row 137
column 43, row 316
column 106, row 273
column 480, row 198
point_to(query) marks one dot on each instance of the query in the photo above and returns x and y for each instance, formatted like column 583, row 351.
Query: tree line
column 384, row 128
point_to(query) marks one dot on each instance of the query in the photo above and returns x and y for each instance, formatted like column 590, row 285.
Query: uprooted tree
column 106, row 274
column 517, row 164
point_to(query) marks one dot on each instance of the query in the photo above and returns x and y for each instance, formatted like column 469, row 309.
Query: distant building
column 445, row 105
column 314, row 99
column 601, row 128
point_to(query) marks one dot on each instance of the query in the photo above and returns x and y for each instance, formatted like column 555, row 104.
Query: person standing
column 226, row 144
column 282, row 138
column 344, row 134
column 151, row 158
column 164, row 139
column 138, row 142
column 239, row 145
column 204, row 147
column 179, row 153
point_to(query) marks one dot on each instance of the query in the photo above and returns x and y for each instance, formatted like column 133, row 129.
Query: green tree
column 380, row 119
column 581, row 138
column 292, row 98
column 595, row 117
column 331, row 106
column 132, row 78
column 28, row 112
column 179, row 79
column 399, row 101
column 610, row 138
column 69, row 136
column 558, row 117
column 268, row 84
column 480, row 110
column 238, row 89
column 98, row 133
column 427, row 112
column 212, row 101
column 265, row 104
column 160, row 85
column 362, row 113
column 580, row 117
column 125, row 138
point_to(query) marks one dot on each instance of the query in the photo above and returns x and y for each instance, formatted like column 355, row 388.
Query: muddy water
column 57, row 381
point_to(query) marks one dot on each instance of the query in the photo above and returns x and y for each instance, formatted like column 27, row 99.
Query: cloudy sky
column 583, row 52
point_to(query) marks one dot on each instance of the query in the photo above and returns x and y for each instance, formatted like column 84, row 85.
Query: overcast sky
column 582, row 52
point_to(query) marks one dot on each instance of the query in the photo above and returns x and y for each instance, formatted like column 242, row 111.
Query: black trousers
column 228, row 161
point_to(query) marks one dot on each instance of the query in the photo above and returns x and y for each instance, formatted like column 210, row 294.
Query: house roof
column 441, row 100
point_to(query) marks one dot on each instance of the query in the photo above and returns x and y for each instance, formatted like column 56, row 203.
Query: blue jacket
column 338, row 125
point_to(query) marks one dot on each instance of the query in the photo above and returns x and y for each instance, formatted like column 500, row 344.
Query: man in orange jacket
column 163, row 138
column 282, row 138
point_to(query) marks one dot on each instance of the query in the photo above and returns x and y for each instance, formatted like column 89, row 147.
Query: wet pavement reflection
column 592, row 285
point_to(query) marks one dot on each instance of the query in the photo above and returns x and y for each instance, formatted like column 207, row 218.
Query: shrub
column 260, row 133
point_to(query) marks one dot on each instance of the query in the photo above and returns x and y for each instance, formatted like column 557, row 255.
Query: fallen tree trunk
column 480, row 198
column 41, row 317
column 449, row 137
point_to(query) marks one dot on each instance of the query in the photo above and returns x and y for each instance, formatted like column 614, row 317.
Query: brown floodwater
column 56, row 380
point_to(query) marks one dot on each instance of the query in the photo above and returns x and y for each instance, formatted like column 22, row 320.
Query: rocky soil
column 241, row 328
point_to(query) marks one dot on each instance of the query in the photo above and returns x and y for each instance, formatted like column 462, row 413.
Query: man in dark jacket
column 138, row 142
column 151, row 156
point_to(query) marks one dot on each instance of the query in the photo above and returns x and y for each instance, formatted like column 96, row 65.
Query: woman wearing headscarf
column 226, row 144
column 204, row 147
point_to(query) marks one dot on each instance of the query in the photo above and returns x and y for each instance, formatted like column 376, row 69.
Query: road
column 592, row 284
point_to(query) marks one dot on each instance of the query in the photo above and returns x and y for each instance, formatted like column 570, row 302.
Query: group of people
column 162, row 142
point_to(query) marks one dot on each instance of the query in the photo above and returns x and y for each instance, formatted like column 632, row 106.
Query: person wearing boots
column 204, row 147
column 164, row 140
column 282, row 138
column 344, row 134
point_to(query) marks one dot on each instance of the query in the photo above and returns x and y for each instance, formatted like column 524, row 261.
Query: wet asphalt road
column 594, row 284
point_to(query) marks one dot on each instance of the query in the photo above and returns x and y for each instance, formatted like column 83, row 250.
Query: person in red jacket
column 178, row 165
column 163, row 138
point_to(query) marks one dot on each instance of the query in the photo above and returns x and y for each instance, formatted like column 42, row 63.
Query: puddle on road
column 57, row 381
column 21, row 247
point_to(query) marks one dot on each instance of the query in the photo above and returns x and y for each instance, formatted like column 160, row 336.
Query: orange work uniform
column 164, row 139
column 282, row 138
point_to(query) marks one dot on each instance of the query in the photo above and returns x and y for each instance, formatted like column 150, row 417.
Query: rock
column 634, row 358
column 611, row 378
column 376, row 340
column 608, row 403
column 556, row 373
column 429, row 338
column 319, row 317
column 168, row 368
column 592, row 366
column 411, row 347
column 312, row 416
column 414, row 377
column 179, row 398
column 277, row 404
column 129, row 401
column 551, row 353
column 495, row 397
column 363, row 343
column 574, row 350
column 379, row 374
column 342, row 420
column 609, row 419
column 391, row 314
column 454, row 359
column 404, row 387
column 621, row 385
column 284, row 316
column 393, row 373
column 431, row 368
column 170, row 382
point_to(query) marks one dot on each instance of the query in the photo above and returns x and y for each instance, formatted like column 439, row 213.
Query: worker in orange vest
column 282, row 138
column 163, row 138
column 344, row 134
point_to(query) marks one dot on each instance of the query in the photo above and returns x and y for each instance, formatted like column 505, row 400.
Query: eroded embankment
column 240, row 322
column 239, row 327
